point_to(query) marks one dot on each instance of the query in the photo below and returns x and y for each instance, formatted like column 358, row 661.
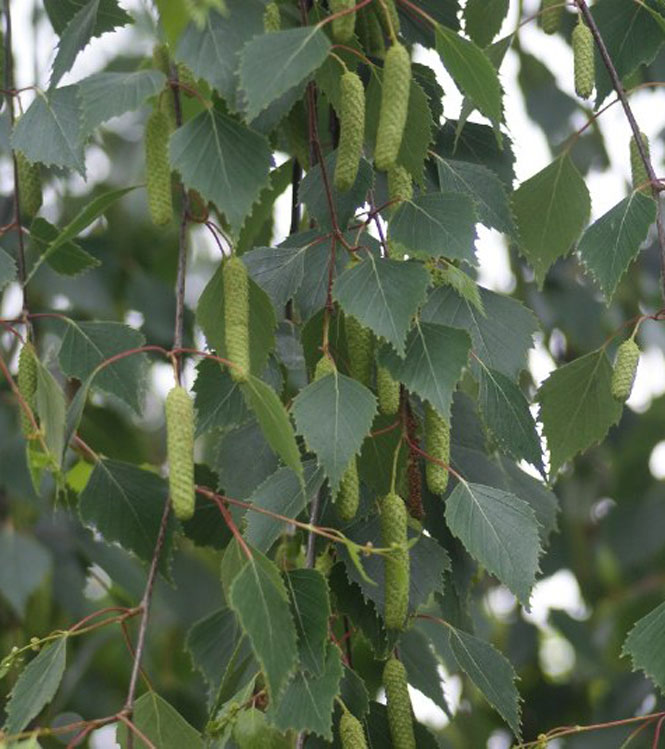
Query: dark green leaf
column 161, row 723
column 69, row 259
column 24, row 563
column 645, row 645
column 61, row 12
column 484, row 19
column 7, row 269
column 422, row 667
column 277, row 270
column 212, row 642
column 245, row 459
column 310, row 603
column 219, row 402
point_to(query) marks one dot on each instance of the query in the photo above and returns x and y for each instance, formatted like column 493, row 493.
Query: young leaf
column 433, row 363
column 24, row 563
column 36, row 686
column 550, row 209
column 259, row 598
column 161, row 723
column 383, row 295
column 576, row 406
column 334, row 415
column 272, row 64
column 612, row 242
column 645, row 645
column 500, row 531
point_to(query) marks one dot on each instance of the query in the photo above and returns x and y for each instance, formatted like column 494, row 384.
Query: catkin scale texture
column 394, row 106
column 400, row 186
column 30, row 185
column 550, row 17
column 351, row 732
column 387, row 388
column 388, row 16
column 360, row 346
column 344, row 26
column 625, row 369
column 236, row 316
column 158, row 167
column 396, row 561
column 352, row 130
column 398, row 703
column 180, row 448
column 583, row 59
column 27, row 383
column 637, row 169
column 272, row 20
column 437, row 444
column 348, row 494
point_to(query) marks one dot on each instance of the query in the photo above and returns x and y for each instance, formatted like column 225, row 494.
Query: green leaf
column 471, row 70
column 36, row 686
column 437, row 224
column 506, row 413
column 212, row 53
column 212, row 642
column 384, row 295
column 259, row 598
column 224, row 160
column 76, row 36
column 576, row 407
column 24, row 563
column 491, row 672
column 645, row 645
column 501, row 337
column 125, row 504
column 308, row 701
column 550, row 209
column 210, row 316
column 219, row 402
column 50, row 130
column 51, row 410
column 484, row 19
column 433, row 363
column 334, row 415
column 612, row 242
column 86, row 345
column 282, row 493
column 277, row 270
column 69, row 259
column 61, row 12
column 422, row 667
column 161, row 724
column 244, row 460
column 310, row 604
column 483, row 186
column 274, row 421
column 7, row 269
column 272, row 64
column 500, row 531
column 108, row 95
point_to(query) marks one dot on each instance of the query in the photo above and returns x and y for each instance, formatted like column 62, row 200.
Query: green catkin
column 387, row 12
column 272, row 20
column 351, row 733
column 396, row 561
column 637, row 169
column 360, row 345
column 387, row 388
column 236, row 316
column 625, row 369
column 352, row 130
column 344, row 26
column 551, row 12
column 437, row 444
column 400, row 186
column 29, row 185
column 583, row 59
column 188, row 80
column 400, row 718
column 27, row 384
column 370, row 32
column 348, row 494
column 394, row 106
column 158, row 168
column 180, row 449
column 161, row 59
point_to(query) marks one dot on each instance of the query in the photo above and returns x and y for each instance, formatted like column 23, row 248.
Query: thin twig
column 621, row 93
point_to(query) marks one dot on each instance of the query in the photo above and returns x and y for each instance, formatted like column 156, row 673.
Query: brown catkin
column 396, row 561
column 400, row 717
column 351, row 733
column 29, row 185
column 272, row 19
column 352, row 130
column 360, row 345
column 236, row 316
column 551, row 12
column 625, row 369
column 158, row 167
column 180, row 448
column 344, row 26
column 437, row 444
column 27, row 384
column 394, row 106
column 387, row 389
column 637, row 169
column 583, row 59
column 348, row 494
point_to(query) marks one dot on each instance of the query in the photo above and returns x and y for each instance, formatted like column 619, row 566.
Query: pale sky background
column 532, row 154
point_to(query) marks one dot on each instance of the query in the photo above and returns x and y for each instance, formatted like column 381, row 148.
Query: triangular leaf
column 645, row 645
column 69, row 259
column 277, row 270
column 161, row 724
column 24, row 563
column 310, row 603
column 219, row 401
